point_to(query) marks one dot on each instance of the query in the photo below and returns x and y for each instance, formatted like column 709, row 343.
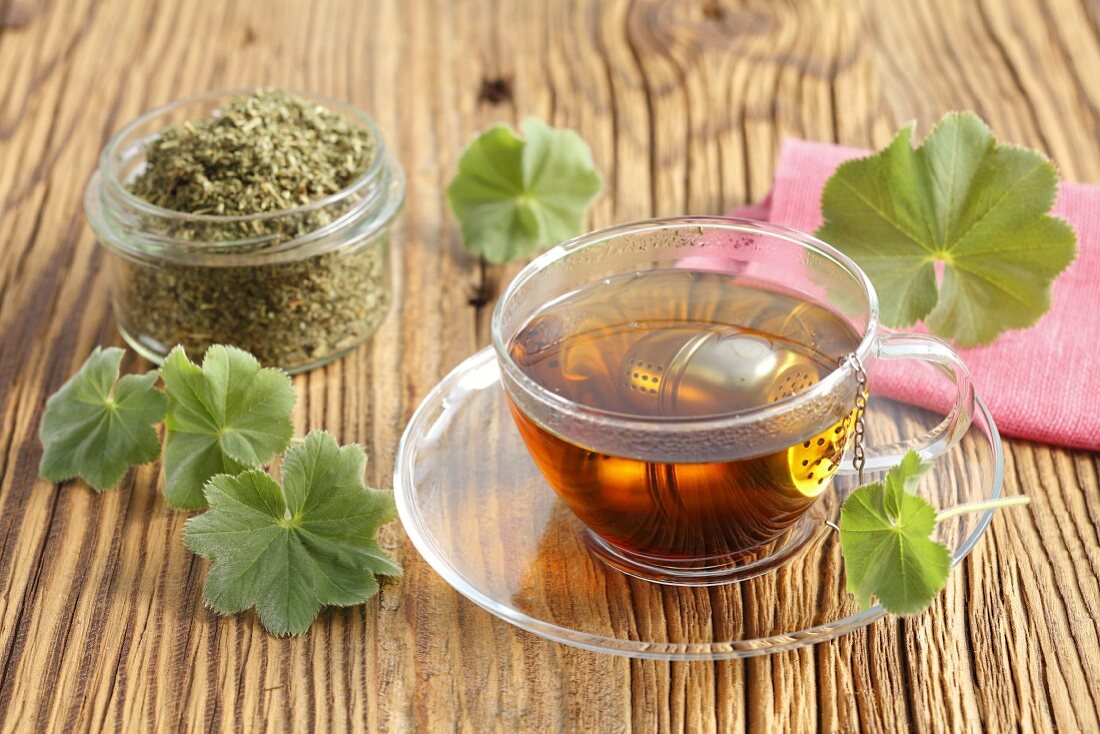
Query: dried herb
column 267, row 152
column 286, row 314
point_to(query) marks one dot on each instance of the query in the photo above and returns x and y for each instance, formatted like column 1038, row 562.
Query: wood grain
column 685, row 104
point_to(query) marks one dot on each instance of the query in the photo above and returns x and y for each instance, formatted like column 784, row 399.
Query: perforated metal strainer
column 691, row 373
column 727, row 369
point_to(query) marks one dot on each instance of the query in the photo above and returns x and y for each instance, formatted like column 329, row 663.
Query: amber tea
column 668, row 345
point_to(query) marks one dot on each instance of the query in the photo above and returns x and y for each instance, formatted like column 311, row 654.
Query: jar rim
column 133, row 227
column 111, row 156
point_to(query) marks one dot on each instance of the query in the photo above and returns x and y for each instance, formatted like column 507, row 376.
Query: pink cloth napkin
column 1041, row 383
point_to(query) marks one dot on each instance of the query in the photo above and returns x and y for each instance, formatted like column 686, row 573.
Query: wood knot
column 482, row 295
column 713, row 10
column 495, row 90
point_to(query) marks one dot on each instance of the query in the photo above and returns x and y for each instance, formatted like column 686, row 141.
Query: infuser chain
column 858, row 456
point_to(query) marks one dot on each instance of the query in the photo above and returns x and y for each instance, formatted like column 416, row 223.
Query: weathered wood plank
column 685, row 104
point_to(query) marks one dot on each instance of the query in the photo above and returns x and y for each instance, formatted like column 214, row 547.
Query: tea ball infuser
column 724, row 369
column 714, row 370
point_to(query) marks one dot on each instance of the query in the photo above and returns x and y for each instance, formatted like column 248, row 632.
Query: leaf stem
column 980, row 506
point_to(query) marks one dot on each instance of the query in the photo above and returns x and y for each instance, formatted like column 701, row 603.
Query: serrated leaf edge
column 531, row 243
column 909, row 129
column 58, row 479
column 388, row 517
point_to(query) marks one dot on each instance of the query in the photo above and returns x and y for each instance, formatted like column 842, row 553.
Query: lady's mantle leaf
column 290, row 550
column 885, row 537
column 963, row 200
column 225, row 417
column 98, row 426
column 515, row 196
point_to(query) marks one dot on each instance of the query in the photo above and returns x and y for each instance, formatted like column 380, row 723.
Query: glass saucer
column 479, row 512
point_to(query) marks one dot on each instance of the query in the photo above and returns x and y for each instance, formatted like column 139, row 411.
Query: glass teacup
column 689, row 386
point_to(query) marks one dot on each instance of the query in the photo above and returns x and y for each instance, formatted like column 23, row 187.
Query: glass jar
column 297, row 287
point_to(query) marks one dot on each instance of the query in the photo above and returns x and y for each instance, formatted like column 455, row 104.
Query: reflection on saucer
column 483, row 517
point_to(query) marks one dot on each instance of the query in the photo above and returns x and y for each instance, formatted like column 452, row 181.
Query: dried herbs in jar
column 261, row 220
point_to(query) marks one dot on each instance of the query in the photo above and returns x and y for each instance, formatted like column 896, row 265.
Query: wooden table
column 685, row 104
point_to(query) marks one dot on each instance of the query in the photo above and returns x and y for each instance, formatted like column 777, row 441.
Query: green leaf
column 97, row 426
column 290, row 550
column 961, row 199
column 885, row 538
column 514, row 196
column 225, row 417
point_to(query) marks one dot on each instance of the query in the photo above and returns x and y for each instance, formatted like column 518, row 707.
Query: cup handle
column 935, row 442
